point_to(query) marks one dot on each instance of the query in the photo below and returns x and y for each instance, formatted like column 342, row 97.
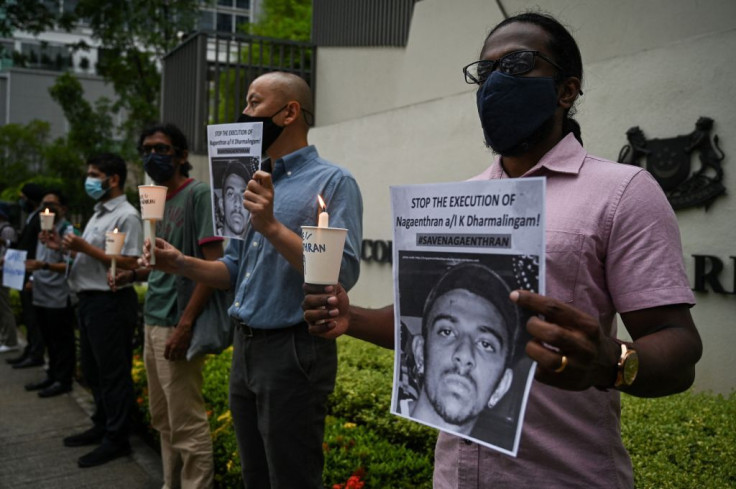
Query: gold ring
column 562, row 366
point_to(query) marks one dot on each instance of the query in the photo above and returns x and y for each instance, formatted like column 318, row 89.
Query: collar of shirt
column 109, row 205
column 184, row 185
column 294, row 161
column 566, row 157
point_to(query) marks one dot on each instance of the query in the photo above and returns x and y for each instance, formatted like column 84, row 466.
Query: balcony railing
column 206, row 78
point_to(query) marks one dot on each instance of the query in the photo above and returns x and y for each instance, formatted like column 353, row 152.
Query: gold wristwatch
column 628, row 367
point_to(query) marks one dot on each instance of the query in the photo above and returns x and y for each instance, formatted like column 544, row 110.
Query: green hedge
column 682, row 441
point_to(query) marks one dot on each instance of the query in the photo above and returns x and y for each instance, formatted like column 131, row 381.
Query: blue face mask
column 512, row 108
column 159, row 167
column 93, row 187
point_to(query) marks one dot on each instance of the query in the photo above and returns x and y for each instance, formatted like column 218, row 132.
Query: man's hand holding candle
column 50, row 239
column 326, row 310
column 168, row 258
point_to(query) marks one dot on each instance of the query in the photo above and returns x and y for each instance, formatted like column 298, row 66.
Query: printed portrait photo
column 462, row 366
column 230, row 176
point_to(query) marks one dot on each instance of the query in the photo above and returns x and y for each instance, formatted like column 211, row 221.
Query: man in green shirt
column 175, row 383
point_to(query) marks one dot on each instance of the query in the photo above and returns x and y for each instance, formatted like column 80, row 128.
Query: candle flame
column 115, row 230
column 322, row 204
column 46, row 211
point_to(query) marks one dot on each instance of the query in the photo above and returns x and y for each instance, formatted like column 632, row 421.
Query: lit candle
column 114, row 241
column 47, row 220
column 324, row 217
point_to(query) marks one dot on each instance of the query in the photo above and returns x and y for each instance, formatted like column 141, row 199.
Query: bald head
column 289, row 87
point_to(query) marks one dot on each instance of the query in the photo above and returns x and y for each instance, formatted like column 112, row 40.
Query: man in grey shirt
column 52, row 304
column 106, row 319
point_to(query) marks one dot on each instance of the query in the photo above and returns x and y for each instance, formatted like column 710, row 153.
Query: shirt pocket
column 564, row 250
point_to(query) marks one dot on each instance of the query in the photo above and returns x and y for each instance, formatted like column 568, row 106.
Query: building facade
column 403, row 114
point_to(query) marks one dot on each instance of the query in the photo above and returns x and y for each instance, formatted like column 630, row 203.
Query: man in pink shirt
column 613, row 246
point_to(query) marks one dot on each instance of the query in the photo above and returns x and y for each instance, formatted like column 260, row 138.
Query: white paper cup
column 322, row 254
column 153, row 201
column 47, row 221
column 114, row 243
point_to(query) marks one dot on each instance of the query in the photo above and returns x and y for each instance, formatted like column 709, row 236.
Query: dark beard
column 540, row 134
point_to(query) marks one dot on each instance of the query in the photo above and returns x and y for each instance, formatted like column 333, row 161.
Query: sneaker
column 92, row 436
column 6, row 348
column 103, row 454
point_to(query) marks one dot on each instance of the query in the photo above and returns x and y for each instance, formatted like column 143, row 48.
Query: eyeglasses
column 516, row 63
column 159, row 148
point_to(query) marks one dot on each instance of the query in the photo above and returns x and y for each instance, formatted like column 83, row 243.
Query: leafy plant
column 676, row 442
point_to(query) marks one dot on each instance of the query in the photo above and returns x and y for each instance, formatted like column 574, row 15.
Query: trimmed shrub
column 682, row 441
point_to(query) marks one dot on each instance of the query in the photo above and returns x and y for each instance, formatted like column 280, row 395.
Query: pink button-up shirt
column 613, row 245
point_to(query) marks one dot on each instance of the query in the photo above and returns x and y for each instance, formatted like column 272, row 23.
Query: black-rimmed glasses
column 159, row 148
column 516, row 63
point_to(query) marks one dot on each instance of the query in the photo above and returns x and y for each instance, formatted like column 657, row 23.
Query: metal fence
column 361, row 22
column 206, row 78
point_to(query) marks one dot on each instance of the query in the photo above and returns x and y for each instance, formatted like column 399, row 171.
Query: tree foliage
column 289, row 20
column 135, row 35
column 27, row 154
column 90, row 128
column 21, row 151
column 284, row 19
column 31, row 16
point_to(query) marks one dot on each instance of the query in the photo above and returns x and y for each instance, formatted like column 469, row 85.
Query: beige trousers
column 178, row 414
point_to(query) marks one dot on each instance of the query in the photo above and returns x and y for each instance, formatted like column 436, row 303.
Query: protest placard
column 459, row 249
column 234, row 155
column 14, row 268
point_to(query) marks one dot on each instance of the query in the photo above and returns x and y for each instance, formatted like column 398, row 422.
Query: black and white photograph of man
column 230, row 177
column 462, row 364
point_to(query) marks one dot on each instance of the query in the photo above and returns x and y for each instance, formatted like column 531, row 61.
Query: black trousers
column 57, row 328
column 35, row 347
column 106, row 323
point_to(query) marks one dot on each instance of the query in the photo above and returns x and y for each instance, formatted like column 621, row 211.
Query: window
column 224, row 22
column 206, row 20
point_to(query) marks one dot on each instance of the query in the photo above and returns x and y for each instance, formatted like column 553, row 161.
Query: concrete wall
column 396, row 116
column 29, row 97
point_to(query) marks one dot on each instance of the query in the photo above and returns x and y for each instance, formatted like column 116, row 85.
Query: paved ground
column 31, row 451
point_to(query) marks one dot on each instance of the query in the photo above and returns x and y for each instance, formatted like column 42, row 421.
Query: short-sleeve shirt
column 613, row 245
column 268, row 290
column 161, row 298
column 50, row 288
column 89, row 274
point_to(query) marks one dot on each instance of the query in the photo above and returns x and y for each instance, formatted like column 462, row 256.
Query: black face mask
column 512, row 108
column 271, row 130
column 159, row 167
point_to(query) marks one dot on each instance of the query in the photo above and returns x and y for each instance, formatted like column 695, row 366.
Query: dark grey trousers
column 279, row 385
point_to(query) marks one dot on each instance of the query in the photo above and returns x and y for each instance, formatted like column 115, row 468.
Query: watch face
column 631, row 368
